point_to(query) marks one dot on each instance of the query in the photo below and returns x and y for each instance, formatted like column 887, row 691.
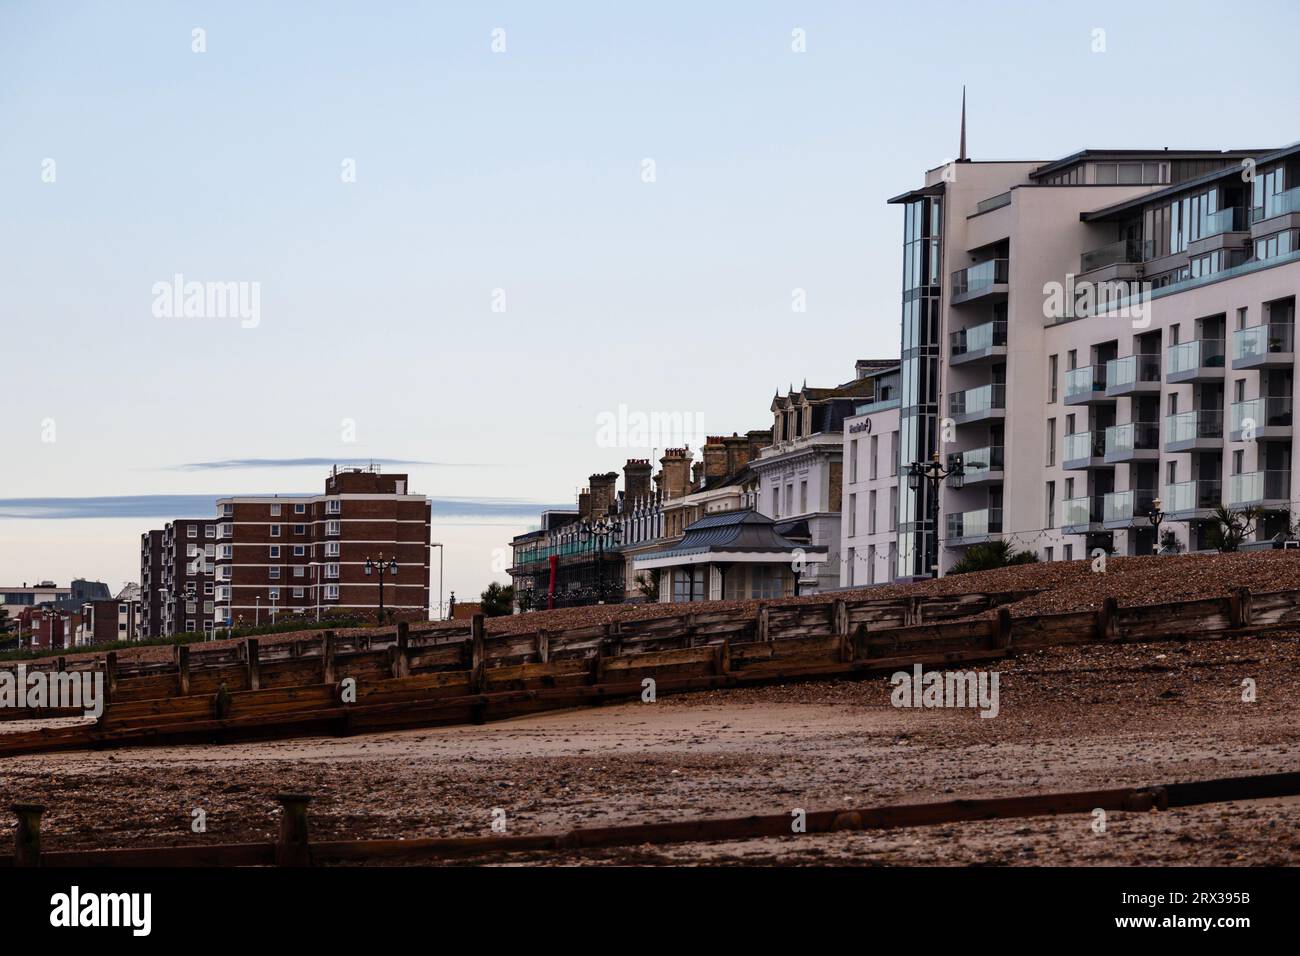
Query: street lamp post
column 933, row 472
column 1155, row 516
column 600, row 531
column 438, row 545
column 383, row 568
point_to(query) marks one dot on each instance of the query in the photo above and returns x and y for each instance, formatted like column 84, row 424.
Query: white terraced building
column 1091, row 335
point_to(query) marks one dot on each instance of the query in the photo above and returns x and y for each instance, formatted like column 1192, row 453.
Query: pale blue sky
column 519, row 171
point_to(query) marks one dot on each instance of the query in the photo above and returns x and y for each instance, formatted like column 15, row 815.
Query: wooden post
column 327, row 658
column 543, row 647
column 293, row 849
column 722, row 658
column 477, row 654
column 254, row 666
column 404, row 648
column 181, row 655
column 27, row 836
column 61, row 664
column 110, row 677
column 764, row 627
column 1002, row 630
column 840, row 629
column 394, row 660
column 1239, row 609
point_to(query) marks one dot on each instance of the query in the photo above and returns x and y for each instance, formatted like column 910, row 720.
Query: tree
column 498, row 600
column 648, row 585
column 1228, row 528
column 991, row 554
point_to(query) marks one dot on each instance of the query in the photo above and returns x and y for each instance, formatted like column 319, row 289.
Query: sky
column 475, row 231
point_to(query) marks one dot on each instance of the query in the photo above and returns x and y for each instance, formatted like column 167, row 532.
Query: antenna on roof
column 961, row 154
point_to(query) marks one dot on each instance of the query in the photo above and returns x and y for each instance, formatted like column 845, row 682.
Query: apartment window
column 299, row 571
column 893, row 454
column 192, row 551
column 298, row 592
column 333, row 507
column 1048, row 554
column 275, row 531
column 275, row 550
column 275, row 594
column 1051, row 505
column 803, row 497
column 299, row 551
column 853, row 514
column 190, row 607
column 1173, row 403
column 332, row 549
column 300, row 529
column 189, row 625
column 1171, row 473
column 1241, row 318
column 1238, row 461
column 853, row 460
column 207, row 587
column 1051, row 442
column 893, row 507
column 875, row 456
column 871, row 513
column 275, row 511
column 789, row 499
column 1051, row 379
column 1072, row 359
column 1239, row 389
column 227, row 511
column 207, row 607
column 300, row 509
column 331, row 592
column 332, row 527
column 192, row 531
column 776, row 502
column 274, row 572
column 1067, row 552
column 210, row 531
column 852, row 566
column 331, row 570
column 210, row 550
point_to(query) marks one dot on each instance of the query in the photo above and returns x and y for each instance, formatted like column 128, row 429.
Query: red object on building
column 550, row 588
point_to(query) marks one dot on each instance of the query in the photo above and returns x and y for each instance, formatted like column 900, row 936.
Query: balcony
column 1133, row 375
column 979, row 343
column 1264, row 346
column 1194, row 431
column 1262, row 419
column 1192, row 500
column 979, row 465
column 1277, row 204
column 1120, row 258
column 1082, row 515
column 1260, row 489
column 1136, row 441
column 973, row 527
column 1084, row 450
column 1232, row 219
column 1201, row 360
column 984, row 403
column 983, row 281
column 1124, row 509
column 1086, row 385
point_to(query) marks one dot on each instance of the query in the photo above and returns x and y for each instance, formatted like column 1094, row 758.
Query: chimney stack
column 758, row 439
column 602, row 493
column 715, row 457
column 636, row 480
column 584, row 503
column 675, row 476
column 737, row 453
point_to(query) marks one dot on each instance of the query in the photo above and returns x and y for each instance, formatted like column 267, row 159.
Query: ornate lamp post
column 382, row 568
column 933, row 472
column 1155, row 516
column 600, row 531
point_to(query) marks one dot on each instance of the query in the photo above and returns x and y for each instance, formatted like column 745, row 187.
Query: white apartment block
column 1089, row 336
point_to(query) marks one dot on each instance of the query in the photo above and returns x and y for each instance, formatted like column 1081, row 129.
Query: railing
column 975, row 400
column 993, row 202
column 1261, row 339
column 1081, row 445
column 1277, row 204
column 1199, row 353
column 1268, row 412
column 1082, row 511
column 988, row 458
column 1199, row 495
column 971, row 524
column 1085, row 380
column 982, row 275
column 1189, row 426
column 1232, row 219
column 1132, row 369
column 1126, row 505
column 1256, row 486
column 1126, row 250
column 1134, row 436
column 986, row 336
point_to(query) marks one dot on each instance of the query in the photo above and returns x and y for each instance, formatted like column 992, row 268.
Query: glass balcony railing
column 1232, row 219
column 1080, row 512
column 981, row 337
column 1189, row 356
column 974, row 524
column 1277, row 204
column 1126, row 505
column 973, row 401
column 1084, row 381
column 1272, row 411
column 1257, row 486
column 978, row 462
column 1129, row 371
column 1262, row 339
column 1190, row 426
column 1126, row 250
column 1135, row 436
column 982, row 275
column 993, row 202
column 1192, row 496
column 1083, row 445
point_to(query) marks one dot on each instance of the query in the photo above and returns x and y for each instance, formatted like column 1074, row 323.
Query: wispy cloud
column 225, row 463
column 169, row 507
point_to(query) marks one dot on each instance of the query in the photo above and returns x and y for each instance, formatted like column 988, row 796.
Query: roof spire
column 961, row 155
